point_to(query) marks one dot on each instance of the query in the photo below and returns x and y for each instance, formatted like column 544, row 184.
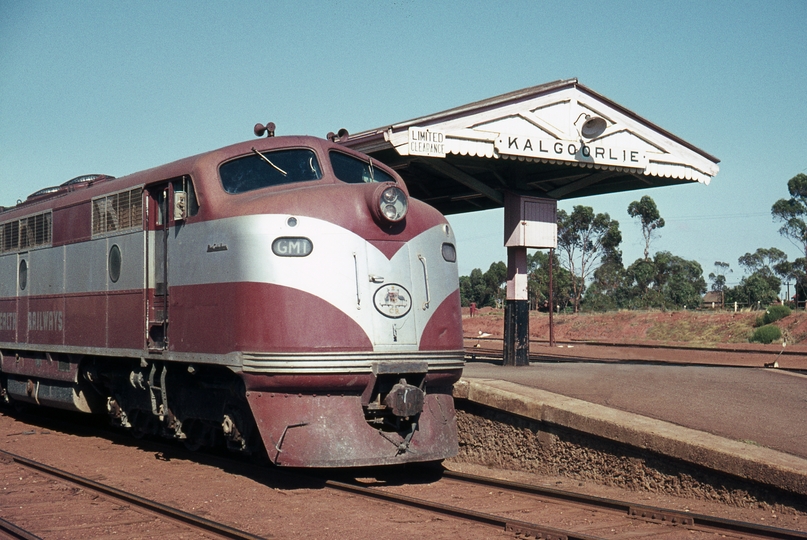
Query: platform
column 744, row 421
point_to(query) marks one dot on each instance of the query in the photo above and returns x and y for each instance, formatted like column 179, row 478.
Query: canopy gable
column 559, row 140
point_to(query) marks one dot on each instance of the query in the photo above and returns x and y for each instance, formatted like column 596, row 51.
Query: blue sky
column 117, row 87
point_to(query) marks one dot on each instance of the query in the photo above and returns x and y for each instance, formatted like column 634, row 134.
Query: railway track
column 490, row 349
column 496, row 356
column 529, row 511
column 509, row 509
column 44, row 502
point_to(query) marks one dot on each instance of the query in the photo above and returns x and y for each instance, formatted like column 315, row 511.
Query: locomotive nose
column 405, row 400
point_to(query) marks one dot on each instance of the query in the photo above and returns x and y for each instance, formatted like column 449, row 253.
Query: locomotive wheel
column 138, row 431
column 143, row 423
column 238, row 431
column 198, row 433
column 191, row 445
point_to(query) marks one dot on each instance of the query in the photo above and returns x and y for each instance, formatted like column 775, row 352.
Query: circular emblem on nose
column 392, row 301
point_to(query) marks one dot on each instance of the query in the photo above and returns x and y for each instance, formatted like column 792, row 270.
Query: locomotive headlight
column 393, row 204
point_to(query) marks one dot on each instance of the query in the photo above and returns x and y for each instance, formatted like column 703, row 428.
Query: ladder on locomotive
column 159, row 197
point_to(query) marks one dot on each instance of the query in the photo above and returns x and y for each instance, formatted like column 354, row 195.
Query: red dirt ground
column 702, row 328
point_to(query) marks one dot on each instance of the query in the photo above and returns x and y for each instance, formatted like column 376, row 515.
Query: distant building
column 713, row 300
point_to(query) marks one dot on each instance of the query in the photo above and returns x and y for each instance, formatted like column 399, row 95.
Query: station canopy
column 558, row 141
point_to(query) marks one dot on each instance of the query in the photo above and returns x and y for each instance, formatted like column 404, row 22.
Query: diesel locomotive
column 283, row 294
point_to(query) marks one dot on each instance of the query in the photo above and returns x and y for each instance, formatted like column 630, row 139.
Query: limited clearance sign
column 566, row 150
column 427, row 142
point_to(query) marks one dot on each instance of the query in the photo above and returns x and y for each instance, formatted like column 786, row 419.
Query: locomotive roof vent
column 83, row 179
column 260, row 129
column 42, row 192
column 79, row 181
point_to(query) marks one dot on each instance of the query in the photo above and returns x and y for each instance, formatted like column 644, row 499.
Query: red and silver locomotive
column 285, row 291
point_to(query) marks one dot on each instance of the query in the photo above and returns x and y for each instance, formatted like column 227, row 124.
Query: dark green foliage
column 608, row 288
column 538, row 282
column 664, row 282
column 766, row 334
column 682, row 283
column 774, row 313
column 757, row 289
column 484, row 289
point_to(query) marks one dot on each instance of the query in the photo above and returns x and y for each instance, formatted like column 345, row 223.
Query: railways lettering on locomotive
column 283, row 295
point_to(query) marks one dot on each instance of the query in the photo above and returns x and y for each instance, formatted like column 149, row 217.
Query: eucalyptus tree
column 679, row 281
column 483, row 288
column 538, row 281
column 647, row 212
column 766, row 268
column 766, row 261
column 792, row 212
column 718, row 277
column 583, row 238
column 609, row 288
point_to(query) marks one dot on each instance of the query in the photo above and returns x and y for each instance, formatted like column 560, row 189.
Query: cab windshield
column 265, row 169
column 355, row 171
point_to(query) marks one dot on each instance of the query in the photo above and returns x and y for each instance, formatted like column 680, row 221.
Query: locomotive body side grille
column 351, row 362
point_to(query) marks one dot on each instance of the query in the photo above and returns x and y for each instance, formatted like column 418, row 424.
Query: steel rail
column 475, row 354
column 644, row 511
column 612, row 344
column 164, row 510
column 515, row 526
column 12, row 531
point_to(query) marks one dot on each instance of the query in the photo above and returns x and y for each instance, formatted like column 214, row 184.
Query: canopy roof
column 558, row 140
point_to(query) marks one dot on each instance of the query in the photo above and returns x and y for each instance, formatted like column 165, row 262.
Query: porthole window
column 114, row 263
column 23, row 274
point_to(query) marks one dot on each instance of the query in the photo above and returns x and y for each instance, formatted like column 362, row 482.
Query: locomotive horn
column 260, row 129
column 341, row 136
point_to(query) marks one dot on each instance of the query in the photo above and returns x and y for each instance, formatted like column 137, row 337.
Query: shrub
column 766, row 334
column 774, row 313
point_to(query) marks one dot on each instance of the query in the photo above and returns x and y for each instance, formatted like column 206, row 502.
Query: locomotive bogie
column 287, row 293
column 197, row 404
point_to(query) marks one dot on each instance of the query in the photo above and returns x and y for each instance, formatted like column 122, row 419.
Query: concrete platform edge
column 700, row 448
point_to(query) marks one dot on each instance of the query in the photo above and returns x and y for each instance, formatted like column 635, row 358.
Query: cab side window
column 355, row 171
